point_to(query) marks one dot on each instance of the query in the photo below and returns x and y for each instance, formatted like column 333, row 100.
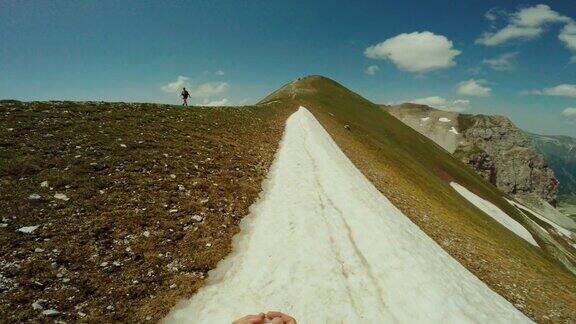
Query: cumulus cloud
column 176, row 86
column 503, row 62
column 203, row 90
column 209, row 89
column 561, row 90
column 219, row 73
column 416, row 52
column 569, row 112
column 438, row 102
column 433, row 101
column 372, row 69
column 214, row 103
column 526, row 23
column 472, row 87
column 568, row 37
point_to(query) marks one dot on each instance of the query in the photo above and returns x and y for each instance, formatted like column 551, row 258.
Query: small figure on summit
column 185, row 95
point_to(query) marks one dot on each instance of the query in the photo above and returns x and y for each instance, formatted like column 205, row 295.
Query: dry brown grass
column 125, row 246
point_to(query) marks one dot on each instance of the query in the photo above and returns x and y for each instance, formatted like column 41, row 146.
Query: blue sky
column 236, row 52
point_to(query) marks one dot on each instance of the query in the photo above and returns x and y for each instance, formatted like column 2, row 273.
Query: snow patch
column 323, row 244
column 496, row 213
column 444, row 119
column 453, row 130
column 424, row 119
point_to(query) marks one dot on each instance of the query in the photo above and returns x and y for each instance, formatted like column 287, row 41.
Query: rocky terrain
column 491, row 145
column 113, row 212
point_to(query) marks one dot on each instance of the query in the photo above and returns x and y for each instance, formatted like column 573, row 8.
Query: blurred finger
column 250, row 319
column 287, row 319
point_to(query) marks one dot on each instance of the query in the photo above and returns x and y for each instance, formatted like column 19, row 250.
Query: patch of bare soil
column 113, row 212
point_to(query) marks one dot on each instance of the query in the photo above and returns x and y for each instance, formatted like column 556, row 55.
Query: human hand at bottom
column 251, row 319
column 270, row 317
column 280, row 318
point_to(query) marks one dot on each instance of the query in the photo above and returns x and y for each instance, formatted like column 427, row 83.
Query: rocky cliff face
column 491, row 145
column 514, row 165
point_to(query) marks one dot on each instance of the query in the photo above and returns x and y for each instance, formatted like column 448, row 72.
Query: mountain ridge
column 180, row 230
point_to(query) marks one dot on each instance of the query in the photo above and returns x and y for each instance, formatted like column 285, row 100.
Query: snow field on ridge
column 324, row 245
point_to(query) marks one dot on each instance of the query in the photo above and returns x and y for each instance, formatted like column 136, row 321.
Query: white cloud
column 537, row 16
column 458, row 105
column 526, row 23
column 203, row 90
column 219, row 73
column 569, row 112
column 433, row 101
column 474, row 88
column 502, row 62
column 562, row 90
column 416, row 52
column 214, row 103
column 568, row 37
column 507, row 33
column 372, row 69
column 209, row 89
column 176, row 86
column 492, row 14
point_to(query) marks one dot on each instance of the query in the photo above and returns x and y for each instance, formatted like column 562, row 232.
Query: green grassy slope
column 415, row 174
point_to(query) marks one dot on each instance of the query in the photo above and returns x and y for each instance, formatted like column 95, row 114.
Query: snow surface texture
column 493, row 211
column 324, row 245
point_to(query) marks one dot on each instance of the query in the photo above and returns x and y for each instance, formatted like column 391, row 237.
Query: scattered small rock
column 44, row 184
column 197, row 218
column 50, row 312
column 37, row 304
column 28, row 229
column 146, row 233
column 61, row 197
column 34, row 196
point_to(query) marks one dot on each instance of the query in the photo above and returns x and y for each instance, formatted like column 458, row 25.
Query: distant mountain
column 491, row 145
column 560, row 152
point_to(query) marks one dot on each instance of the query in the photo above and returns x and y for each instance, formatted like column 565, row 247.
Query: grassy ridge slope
column 415, row 174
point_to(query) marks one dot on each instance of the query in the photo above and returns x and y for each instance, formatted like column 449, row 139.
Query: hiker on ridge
column 185, row 95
